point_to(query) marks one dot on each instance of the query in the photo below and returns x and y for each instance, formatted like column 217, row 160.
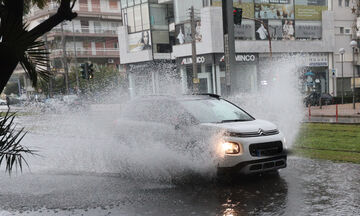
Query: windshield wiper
column 233, row 120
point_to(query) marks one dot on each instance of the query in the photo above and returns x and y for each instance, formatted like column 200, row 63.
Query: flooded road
column 305, row 187
column 81, row 172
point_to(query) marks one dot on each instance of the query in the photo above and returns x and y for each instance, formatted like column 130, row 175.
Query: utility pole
column 48, row 67
column 76, row 62
column 229, row 42
column 193, row 49
column 64, row 59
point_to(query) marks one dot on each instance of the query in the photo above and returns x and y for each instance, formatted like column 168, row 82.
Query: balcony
column 85, row 31
column 86, row 53
column 81, row 9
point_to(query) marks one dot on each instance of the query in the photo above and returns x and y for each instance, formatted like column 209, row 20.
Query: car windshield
column 215, row 111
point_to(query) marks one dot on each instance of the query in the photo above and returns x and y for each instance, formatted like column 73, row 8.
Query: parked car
column 313, row 99
column 246, row 145
column 2, row 102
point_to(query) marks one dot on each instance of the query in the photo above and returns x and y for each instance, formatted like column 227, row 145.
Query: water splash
column 88, row 141
column 279, row 98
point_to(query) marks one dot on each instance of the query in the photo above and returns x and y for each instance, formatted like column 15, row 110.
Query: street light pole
column 353, row 44
column 342, row 51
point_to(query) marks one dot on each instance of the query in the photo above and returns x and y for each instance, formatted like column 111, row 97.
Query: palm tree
column 18, row 45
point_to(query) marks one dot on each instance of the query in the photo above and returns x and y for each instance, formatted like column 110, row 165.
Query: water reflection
column 253, row 195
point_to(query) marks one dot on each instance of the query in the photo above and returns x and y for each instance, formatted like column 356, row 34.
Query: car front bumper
column 256, row 166
column 246, row 162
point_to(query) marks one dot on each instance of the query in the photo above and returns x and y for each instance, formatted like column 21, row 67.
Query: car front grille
column 252, row 134
column 265, row 149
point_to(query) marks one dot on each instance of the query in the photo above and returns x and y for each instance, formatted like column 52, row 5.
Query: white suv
column 246, row 145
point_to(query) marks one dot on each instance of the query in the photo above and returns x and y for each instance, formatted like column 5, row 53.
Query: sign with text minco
column 241, row 57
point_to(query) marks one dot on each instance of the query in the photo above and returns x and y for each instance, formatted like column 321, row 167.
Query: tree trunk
column 8, row 63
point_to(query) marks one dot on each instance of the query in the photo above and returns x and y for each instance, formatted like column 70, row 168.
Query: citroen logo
column 260, row 132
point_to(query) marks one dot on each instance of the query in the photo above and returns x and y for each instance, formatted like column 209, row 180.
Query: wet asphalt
column 305, row 187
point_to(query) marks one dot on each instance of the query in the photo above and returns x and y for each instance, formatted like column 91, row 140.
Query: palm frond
column 11, row 152
column 32, row 55
column 35, row 62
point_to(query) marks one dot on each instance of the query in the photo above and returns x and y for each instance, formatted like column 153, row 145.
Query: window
column 214, row 110
column 347, row 30
column 130, row 19
column 123, row 4
column 97, row 27
column 347, row 3
column 340, row 3
column 145, row 16
column 137, row 18
column 130, row 3
column 341, row 30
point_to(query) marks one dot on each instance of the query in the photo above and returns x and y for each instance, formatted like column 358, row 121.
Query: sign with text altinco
column 203, row 59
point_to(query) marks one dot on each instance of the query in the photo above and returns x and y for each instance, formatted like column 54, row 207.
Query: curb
column 319, row 122
column 340, row 116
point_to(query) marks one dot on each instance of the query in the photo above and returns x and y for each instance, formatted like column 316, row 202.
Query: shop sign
column 317, row 59
column 139, row 41
column 274, row 9
column 309, row 9
column 308, row 29
column 307, row 59
column 201, row 59
column 242, row 58
column 188, row 60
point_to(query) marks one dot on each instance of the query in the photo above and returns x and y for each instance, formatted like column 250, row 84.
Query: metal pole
column 48, row 67
column 229, row 42
column 64, row 57
column 193, row 49
column 342, row 78
column 76, row 63
column 353, row 78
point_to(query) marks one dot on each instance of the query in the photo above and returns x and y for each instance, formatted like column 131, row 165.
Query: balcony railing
column 82, row 52
column 86, row 30
column 82, row 8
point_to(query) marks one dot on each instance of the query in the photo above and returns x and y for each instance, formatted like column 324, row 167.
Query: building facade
column 345, row 24
column 313, row 30
column 303, row 28
column 145, row 42
column 91, row 37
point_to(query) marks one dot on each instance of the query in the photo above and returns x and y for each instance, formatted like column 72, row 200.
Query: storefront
column 205, row 68
column 313, row 73
column 152, row 77
column 211, row 73
column 243, row 78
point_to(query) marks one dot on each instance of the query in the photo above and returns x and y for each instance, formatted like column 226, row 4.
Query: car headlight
column 230, row 148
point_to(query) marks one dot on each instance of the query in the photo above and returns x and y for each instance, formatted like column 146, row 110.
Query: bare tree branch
column 64, row 13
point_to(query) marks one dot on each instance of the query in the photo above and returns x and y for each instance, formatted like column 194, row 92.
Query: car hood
column 243, row 127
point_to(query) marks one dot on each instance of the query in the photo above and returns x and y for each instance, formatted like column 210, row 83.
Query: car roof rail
column 208, row 94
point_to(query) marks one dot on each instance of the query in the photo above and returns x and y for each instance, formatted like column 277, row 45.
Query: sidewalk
column 4, row 108
column 344, row 110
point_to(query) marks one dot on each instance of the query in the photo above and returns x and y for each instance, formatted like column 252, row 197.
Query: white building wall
column 343, row 17
column 212, row 32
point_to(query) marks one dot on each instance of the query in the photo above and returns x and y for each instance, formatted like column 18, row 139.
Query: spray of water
column 94, row 140
column 279, row 98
